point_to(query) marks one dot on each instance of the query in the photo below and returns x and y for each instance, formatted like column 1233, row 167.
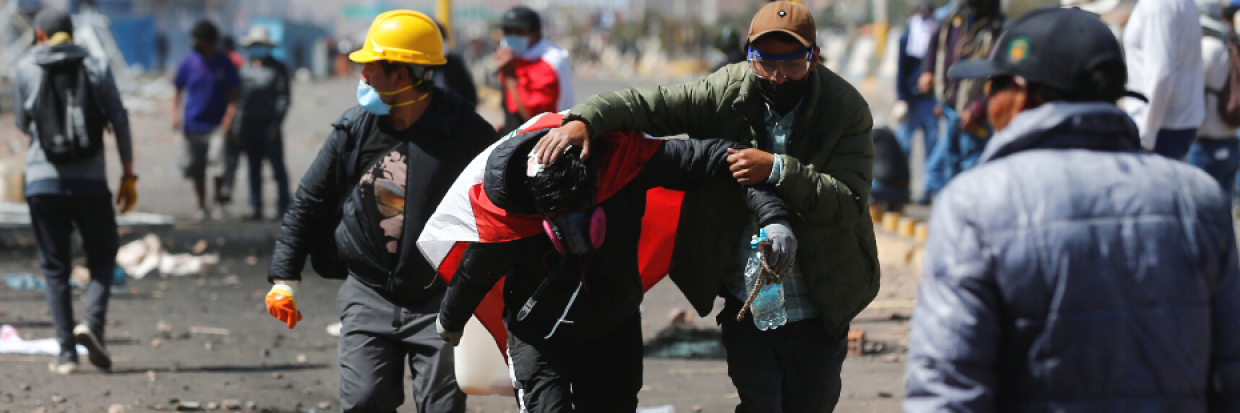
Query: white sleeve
column 560, row 61
column 1156, row 57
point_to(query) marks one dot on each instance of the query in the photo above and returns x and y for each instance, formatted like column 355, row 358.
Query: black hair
column 567, row 184
column 388, row 67
column 205, row 31
column 1102, row 83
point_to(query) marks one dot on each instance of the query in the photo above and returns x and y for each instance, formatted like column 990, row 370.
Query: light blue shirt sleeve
column 777, row 171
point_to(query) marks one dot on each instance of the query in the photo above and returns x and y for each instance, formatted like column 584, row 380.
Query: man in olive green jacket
column 819, row 127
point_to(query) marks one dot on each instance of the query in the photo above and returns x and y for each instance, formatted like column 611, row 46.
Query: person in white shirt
column 1162, row 44
column 1217, row 150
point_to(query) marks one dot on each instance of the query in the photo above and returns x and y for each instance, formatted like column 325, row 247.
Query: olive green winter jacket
column 826, row 181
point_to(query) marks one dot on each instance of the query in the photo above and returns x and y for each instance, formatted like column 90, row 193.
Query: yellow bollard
column 921, row 232
column 876, row 214
column 905, row 227
column 891, row 221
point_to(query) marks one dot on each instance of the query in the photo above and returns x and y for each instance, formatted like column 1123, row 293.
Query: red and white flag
column 466, row 215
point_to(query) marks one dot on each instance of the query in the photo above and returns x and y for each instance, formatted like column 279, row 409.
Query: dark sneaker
column 98, row 355
column 66, row 363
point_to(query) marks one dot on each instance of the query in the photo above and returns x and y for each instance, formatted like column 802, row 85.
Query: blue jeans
column 1174, row 143
column 259, row 146
column 920, row 116
column 958, row 151
column 1219, row 158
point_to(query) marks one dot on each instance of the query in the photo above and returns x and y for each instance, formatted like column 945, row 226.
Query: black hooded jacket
column 328, row 205
column 612, row 288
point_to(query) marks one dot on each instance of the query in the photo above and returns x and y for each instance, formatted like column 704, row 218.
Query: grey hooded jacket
column 1072, row 272
column 88, row 177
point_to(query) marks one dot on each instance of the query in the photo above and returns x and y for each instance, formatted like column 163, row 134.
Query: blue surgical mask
column 259, row 52
column 369, row 98
column 518, row 44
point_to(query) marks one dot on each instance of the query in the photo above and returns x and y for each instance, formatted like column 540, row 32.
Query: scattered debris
column 680, row 316
column 25, row 386
column 56, row 398
column 682, row 341
column 209, row 330
column 324, row 405
column 24, row 282
column 333, row 329
column 232, row 280
column 155, row 342
column 117, row 408
column 80, row 276
column 856, row 342
column 180, row 265
column 12, row 343
column 277, row 375
column 199, row 247
column 885, row 394
column 231, row 404
column 301, row 359
column 251, row 260
column 140, row 258
column 146, row 256
column 251, row 405
column 188, row 406
column 164, row 328
column 212, row 405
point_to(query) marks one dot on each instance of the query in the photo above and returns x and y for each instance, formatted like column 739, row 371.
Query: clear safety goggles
column 787, row 66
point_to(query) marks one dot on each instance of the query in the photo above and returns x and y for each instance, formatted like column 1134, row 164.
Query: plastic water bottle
column 768, row 307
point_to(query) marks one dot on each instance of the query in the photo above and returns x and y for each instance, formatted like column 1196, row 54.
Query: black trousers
column 599, row 375
column 53, row 218
column 794, row 368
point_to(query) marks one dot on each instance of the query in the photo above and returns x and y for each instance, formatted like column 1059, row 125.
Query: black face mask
column 782, row 97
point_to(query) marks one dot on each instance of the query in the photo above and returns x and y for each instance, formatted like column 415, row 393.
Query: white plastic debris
column 12, row 343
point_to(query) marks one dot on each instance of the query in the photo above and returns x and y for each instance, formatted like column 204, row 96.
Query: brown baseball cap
column 786, row 17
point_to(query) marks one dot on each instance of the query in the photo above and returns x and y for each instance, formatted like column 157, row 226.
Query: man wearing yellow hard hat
column 385, row 167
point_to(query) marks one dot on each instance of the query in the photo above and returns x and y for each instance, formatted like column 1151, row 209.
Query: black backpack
column 69, row 121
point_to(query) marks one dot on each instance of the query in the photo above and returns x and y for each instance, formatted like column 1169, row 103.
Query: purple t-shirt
column 208, row 83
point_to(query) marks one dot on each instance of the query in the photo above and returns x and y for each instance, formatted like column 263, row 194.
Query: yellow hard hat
column 403, row 36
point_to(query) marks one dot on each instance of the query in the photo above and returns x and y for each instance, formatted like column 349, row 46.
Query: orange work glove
column 281, row 305
column 127, row 193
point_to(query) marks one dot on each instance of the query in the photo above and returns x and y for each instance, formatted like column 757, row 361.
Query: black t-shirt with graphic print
column 382, row 186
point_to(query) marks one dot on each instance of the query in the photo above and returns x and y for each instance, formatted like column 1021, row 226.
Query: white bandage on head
column 532, row 167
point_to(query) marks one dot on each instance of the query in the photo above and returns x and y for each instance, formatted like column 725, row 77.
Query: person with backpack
column 360, row 207
column 65, row 99
column 1217, row 149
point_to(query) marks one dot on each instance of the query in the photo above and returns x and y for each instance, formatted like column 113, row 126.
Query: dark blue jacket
column 1070, row 271
column 907, row 72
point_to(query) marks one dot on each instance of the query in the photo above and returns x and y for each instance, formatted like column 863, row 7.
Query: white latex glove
column 453, row 337
column 783, row 246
